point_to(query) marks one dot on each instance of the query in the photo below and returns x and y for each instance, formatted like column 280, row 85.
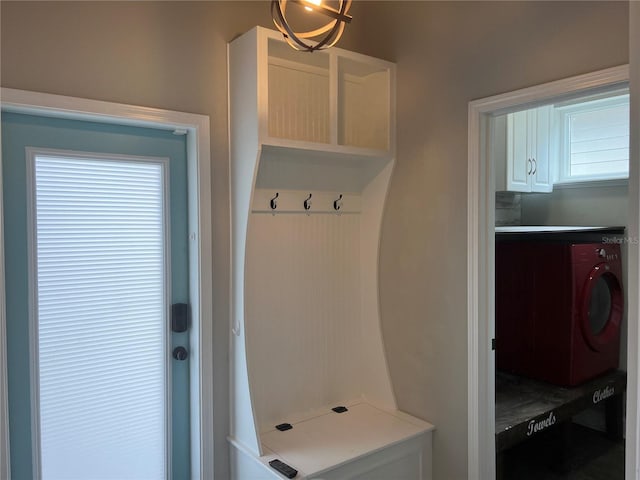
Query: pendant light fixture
column 323, row 37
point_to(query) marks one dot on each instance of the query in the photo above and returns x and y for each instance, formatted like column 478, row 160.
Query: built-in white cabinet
column 322, row 98
column 311, row 154
column 522, row 147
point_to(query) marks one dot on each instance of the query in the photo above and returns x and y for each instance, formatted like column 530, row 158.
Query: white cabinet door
column 541, row 180
column 528, row 136
column 519, row 164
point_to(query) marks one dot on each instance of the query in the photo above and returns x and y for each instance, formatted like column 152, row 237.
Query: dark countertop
column 524, row 407
column 573, row 234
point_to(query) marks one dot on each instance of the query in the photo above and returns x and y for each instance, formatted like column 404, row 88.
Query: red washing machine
column 559, row 307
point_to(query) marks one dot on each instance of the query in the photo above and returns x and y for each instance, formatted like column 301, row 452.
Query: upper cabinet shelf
column 333, row 101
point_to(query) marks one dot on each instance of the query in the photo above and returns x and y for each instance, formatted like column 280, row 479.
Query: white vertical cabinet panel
column 375, row 377
column 541, row 176
column 518, row 157
column 244, row 150
column 303, row 277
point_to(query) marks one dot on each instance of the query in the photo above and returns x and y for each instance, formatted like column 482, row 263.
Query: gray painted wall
column 449, row 53
column 172, row 55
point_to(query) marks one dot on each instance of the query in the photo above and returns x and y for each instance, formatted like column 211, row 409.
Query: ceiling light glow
column 320, row 38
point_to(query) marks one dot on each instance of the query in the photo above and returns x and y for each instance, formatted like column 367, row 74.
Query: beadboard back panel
column 298, row 101
column 363, row 110
column 303, row 323
column 299, row 105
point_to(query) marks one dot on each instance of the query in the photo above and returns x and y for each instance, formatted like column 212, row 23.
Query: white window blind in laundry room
column 596, row 142
column 100, row 283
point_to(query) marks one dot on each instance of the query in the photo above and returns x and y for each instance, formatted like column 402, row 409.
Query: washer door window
column 602, row 307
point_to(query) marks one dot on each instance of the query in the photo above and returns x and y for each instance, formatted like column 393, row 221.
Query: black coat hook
column 337, row 204
column 307, row 203
column 273, row 203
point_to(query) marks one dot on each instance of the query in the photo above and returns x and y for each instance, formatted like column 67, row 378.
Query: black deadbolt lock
column 180, row 353
column 179, row 317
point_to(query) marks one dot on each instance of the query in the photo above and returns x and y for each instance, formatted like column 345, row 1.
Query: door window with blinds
column 594, row 139
column 98, row 315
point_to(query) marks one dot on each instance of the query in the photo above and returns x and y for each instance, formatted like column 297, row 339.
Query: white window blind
column 100, row 318
column 597, row 139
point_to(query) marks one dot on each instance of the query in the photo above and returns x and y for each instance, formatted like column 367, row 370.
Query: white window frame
column 563, row 120
column 202, row 376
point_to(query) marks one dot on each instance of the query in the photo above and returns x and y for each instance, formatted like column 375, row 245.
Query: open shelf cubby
column 311, row 154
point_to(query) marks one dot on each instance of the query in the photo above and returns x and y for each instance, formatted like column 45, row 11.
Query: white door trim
column 480, row 262
column 196, row 127
column 632, row 456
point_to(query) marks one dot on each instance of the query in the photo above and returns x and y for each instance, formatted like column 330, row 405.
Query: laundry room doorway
column 481, row 260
